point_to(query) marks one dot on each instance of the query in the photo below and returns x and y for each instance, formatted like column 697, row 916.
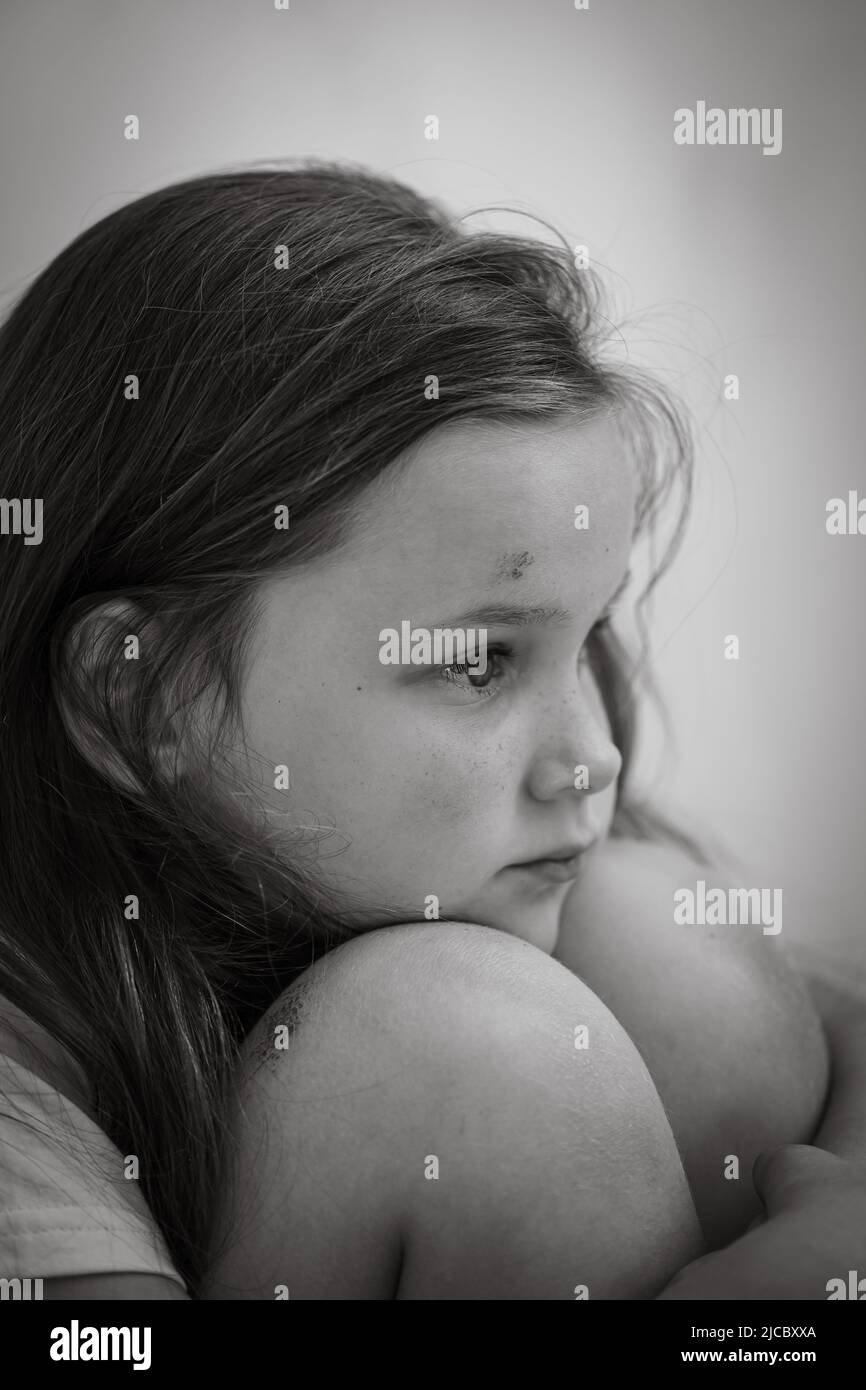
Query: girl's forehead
column 471, row 471
column 500, row 501
column 536, row 515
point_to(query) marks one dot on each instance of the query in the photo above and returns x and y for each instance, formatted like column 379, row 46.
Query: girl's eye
column 486, row 684
column 479, row 682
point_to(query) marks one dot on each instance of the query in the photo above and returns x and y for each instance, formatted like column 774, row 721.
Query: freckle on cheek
column 448, row 799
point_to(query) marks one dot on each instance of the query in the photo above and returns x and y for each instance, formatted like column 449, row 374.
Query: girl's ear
column 110, row 708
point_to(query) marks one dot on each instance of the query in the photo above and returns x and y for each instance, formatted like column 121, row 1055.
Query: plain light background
column 722, row 259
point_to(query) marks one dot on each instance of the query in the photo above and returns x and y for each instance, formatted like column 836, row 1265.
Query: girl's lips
column 556, row 870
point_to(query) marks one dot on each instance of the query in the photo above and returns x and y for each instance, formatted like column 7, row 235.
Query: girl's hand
column 814, row 1232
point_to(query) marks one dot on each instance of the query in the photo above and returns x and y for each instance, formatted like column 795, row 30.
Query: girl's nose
column 577, row 738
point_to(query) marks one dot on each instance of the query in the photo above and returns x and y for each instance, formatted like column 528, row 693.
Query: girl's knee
column 456, row 1052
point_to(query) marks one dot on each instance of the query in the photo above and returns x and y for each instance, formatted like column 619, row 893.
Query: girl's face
column 413, row 781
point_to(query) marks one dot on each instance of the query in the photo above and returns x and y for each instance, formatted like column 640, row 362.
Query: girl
column 313, row 961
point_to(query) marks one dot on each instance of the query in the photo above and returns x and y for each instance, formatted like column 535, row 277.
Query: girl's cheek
column 461, row 790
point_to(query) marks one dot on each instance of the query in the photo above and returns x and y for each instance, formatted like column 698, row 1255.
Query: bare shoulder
column 419, row 1088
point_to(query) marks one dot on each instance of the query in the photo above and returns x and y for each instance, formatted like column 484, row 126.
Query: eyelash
column 458, row 669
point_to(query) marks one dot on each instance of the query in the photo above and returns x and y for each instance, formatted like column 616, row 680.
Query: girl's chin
column 539, row 929
column 535, row 920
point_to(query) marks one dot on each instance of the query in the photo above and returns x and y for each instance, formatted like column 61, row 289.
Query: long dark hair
column 259, row 385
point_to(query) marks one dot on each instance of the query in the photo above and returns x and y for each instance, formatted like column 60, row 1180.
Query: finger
column 780, row 1175
column 772, row 1262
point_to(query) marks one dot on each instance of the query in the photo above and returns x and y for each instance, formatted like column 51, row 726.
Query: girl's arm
column 842, row 1130
column 727, row 1028
column 814, row 1195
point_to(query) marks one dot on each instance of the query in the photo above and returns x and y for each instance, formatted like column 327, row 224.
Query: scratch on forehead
column 512, row 564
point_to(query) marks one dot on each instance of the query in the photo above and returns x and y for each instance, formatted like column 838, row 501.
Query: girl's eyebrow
column 509, row 615
column 521, row 614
